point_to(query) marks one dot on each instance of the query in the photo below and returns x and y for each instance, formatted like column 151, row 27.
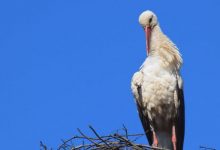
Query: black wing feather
column 180, row 124
column 144, row 118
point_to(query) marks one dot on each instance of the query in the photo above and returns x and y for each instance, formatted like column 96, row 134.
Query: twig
column 126, row 131
column 99, row 136
column 43, row 146
column 87, row 137
column 127, row 141
column 206, row 148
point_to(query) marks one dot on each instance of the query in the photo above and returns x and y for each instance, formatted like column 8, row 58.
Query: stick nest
column 120, row 140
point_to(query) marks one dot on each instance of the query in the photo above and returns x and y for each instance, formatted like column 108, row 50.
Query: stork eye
column 150, row 20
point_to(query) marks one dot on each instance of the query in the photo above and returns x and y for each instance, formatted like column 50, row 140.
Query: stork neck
column 164, row 48
column 155, row 37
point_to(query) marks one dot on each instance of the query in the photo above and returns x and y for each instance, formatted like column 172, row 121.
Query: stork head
column 148, row 21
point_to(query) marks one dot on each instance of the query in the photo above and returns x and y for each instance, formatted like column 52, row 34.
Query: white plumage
column 157, row 88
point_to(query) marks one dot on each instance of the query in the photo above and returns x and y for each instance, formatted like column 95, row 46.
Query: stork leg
column 155, row 140
column 174, row 137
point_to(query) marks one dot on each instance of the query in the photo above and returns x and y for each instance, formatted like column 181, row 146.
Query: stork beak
column 148, row 34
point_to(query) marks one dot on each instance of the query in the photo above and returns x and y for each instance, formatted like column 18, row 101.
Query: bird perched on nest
column 158, row 88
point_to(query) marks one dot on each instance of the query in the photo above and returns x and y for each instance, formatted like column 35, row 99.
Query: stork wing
column 137, row 91
column 180, row 124
column 144, row 118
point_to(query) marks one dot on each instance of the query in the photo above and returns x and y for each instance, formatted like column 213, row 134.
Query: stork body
column 157, row 88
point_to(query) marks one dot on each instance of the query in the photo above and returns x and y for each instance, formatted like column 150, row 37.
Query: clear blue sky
column 68, row 63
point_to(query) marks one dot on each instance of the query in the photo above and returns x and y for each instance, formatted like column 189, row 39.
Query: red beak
column 148, row 34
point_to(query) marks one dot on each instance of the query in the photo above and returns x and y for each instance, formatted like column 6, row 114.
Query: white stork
column 158, row 88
